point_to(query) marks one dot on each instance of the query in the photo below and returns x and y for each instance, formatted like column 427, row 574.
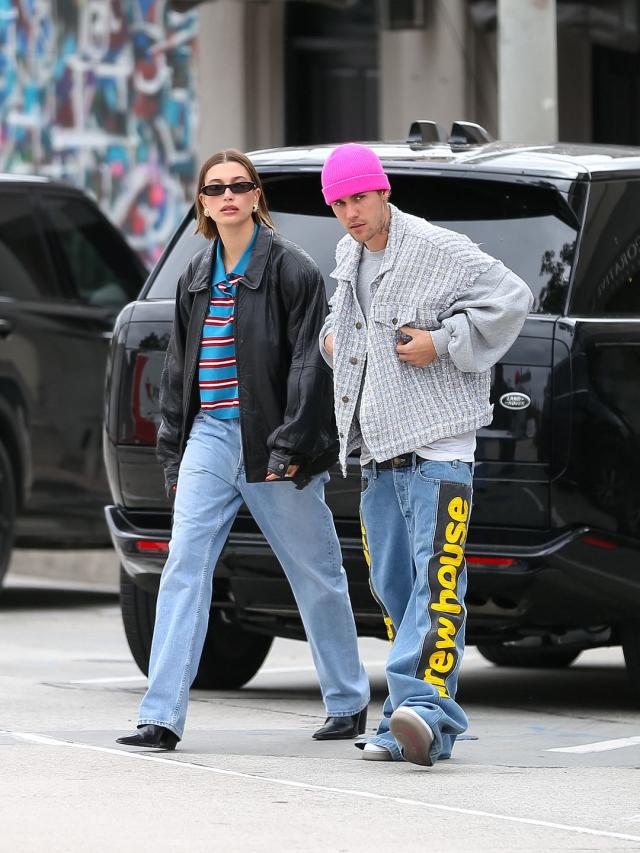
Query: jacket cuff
column 171, row 479
column 279, row 462
column 440, row 338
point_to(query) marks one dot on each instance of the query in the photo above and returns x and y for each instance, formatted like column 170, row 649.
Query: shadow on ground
column 31, row 598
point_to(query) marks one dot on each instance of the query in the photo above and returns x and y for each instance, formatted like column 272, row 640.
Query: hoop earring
column 255, row 207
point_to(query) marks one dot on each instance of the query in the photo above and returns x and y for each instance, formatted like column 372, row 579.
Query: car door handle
column 6, row 327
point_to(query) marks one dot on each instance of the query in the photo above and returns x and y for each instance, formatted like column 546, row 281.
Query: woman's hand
column 292, row 470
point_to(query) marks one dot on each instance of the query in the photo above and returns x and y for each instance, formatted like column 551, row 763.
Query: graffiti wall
column 101, row 93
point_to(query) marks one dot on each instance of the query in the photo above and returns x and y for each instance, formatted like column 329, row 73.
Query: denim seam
column 186, row 680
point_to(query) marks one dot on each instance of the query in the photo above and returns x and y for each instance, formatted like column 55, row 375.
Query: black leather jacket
column 284, row 386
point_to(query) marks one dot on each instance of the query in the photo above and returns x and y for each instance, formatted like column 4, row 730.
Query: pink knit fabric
column 351, row 169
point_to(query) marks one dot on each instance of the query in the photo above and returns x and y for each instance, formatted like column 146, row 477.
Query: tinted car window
column 608, row 276
column 94, row 265
column 174, row 262
column 531, row 229
column 23, row 258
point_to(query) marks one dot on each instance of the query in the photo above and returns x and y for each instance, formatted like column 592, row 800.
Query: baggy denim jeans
column 415, row 523
column 299, row 528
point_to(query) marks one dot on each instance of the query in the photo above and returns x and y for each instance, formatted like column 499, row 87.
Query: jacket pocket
column 394, row 315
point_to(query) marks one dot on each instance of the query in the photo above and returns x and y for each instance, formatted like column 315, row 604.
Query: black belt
column 396, row 462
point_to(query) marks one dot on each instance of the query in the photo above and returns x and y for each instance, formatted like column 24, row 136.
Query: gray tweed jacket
column 430, row 278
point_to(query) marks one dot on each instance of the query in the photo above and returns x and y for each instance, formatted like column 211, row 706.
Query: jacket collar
column 253, row 276
column 349, row 260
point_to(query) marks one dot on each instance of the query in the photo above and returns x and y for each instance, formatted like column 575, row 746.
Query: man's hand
column 420, row 351
column 328, row 344
column 292, row 470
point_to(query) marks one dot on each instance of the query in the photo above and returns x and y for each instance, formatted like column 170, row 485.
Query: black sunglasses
column 236, row 188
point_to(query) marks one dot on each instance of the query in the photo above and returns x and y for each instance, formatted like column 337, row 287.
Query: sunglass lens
column 241, row 187
column 219, row 189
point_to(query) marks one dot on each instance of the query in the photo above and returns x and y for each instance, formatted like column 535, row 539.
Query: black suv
column 65, row 273
column 554, row 549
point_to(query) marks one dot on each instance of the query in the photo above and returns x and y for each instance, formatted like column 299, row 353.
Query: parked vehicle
column 65, row 272
column 554, row 549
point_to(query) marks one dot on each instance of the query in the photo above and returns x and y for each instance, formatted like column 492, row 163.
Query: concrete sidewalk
column 91, row 569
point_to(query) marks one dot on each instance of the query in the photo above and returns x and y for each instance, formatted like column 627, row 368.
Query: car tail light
column 498, row 562
column 599, row 542
column 144, row 402
column 152, row 546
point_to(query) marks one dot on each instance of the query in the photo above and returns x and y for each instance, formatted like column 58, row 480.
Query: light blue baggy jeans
column 299, row 528
column 415, row 523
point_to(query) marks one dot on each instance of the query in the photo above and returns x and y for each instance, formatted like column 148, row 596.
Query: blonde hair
column 205, row 224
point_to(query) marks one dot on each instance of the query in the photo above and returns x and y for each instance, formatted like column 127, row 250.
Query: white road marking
column 308, row 786
column 111, row 680
column 599, row 746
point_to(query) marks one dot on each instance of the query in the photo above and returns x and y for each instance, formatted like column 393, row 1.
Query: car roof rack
column 468, row 133
column 423, row 132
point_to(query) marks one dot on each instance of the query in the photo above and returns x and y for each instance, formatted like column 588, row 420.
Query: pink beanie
column 351, row 169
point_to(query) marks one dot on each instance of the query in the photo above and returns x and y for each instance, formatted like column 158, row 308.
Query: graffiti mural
column 101, row 93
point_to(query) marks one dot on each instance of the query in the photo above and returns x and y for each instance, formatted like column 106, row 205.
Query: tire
column 532, row 657
column 630, row 639
column 231, row 655
column 8, row 506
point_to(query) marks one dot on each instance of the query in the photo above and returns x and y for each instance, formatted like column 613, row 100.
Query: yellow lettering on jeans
column 441, row 661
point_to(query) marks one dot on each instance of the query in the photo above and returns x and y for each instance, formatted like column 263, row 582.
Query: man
column 419, row 316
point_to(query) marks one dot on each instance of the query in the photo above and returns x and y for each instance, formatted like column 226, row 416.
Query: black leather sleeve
column 171, row 387
column 308, row 427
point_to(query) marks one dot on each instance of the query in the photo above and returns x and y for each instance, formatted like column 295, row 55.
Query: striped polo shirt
column 217, row 374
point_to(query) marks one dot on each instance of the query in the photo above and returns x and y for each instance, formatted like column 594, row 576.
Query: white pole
column 527, row 71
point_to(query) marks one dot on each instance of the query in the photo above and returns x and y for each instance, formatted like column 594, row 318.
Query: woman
column 246, row 405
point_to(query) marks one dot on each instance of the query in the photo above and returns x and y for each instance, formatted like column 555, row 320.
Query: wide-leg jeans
column 299, row 528
column 415, row 523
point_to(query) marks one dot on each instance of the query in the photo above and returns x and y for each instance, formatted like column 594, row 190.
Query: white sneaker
column 373, row 752
column 413, row 734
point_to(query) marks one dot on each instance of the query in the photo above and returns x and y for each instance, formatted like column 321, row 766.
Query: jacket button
column 345, row 399
column 353, row 359
column 394, row 320
column 281, row 466
column 358, row 325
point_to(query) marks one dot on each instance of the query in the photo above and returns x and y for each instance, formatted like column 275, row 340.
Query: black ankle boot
column 342, row 728
column 156, row 737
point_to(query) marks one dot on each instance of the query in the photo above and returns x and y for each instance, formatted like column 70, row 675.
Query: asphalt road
column 550, row 762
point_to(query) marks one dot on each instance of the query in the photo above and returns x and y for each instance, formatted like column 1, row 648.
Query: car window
column 531, row 229
column 174, row 262
column 23, row 258
column 98, row 267
column 608, row 274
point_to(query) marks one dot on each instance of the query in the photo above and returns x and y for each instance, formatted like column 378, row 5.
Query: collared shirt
column 217, row 374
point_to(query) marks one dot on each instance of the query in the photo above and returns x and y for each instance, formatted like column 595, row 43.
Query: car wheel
column 630, row 639
column 7, row 511
column 533, row 657
column 231, row 655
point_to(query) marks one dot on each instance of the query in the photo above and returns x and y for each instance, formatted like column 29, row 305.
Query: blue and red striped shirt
column 217, row 374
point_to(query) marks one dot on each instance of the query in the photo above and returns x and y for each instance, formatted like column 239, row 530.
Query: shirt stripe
column 217, row 370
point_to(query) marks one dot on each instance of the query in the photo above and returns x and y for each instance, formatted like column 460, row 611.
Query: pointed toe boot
column 342, row 728
column 151, row 736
